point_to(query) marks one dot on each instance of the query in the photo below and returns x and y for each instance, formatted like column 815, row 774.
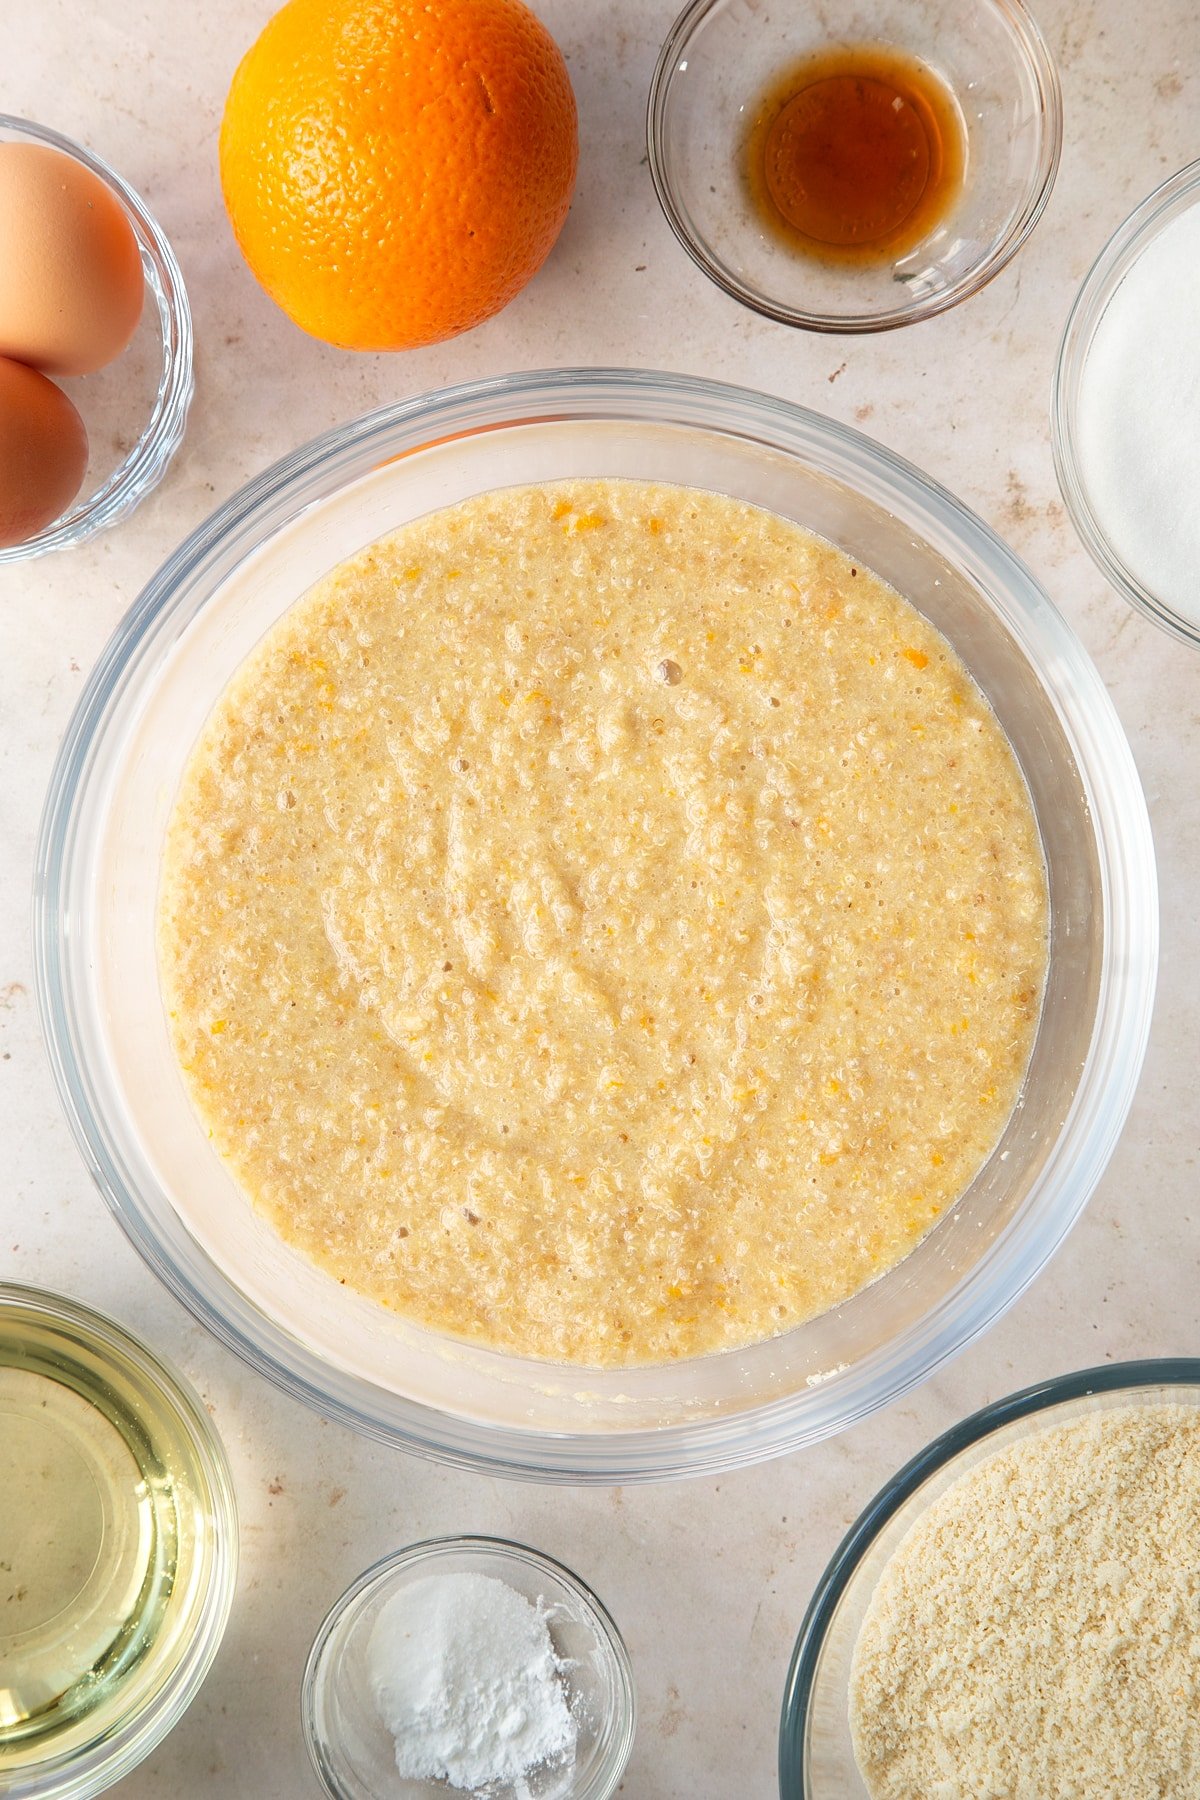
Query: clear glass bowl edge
column 300, row 480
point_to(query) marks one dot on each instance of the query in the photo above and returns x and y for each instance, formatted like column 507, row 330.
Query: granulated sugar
column 464, row 1675
column 1139, row 417
column 1036, row 1636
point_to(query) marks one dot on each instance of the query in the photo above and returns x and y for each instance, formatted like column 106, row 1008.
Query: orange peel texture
column 396, row 171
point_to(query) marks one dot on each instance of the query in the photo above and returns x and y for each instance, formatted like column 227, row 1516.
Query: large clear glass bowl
column 816, row 1753
column 97, row 879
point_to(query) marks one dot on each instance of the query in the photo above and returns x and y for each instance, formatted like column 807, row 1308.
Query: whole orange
column 396, row 170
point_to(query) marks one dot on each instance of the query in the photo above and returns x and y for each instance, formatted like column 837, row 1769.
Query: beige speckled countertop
column 708, row 1580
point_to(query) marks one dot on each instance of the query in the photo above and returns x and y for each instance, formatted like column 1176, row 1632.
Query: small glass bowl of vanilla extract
column 118, row 1548
column 861, row 182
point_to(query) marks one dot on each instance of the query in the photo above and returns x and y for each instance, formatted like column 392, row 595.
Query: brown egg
column 71, row 284
column 43, row 453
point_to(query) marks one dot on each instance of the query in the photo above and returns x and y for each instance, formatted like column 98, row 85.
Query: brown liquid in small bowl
column 855, row 155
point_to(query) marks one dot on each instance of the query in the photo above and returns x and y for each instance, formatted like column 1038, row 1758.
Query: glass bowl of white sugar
column 1126, row 405
column 469, row 1666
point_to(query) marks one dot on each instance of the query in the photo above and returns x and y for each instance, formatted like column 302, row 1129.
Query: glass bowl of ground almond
column 1014, row 1610
column 595, row 925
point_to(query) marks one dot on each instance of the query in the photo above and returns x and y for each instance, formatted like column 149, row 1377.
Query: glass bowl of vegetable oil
column 118, row 1547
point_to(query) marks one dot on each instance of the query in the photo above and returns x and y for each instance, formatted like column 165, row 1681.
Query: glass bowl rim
column 1178, row 194
column 1026, row 1402
column 1128, row 889
column 131, row 1737
column 506, row 1550
column 1039, row 61
column 146, row 462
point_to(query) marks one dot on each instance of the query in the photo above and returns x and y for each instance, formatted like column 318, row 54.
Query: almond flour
column 1036, row 1636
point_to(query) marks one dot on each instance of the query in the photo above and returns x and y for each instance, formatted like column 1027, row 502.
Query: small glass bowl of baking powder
column 353, row 1750
column 816, row 1742
column 1124, row 410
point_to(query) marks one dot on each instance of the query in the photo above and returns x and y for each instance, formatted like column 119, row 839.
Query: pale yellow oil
column 98, row 1527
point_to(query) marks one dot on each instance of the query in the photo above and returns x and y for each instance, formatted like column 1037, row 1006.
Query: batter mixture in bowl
column 604, row 922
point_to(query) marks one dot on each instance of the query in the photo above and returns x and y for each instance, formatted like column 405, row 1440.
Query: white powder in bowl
column 1036, row 1635
column 463, row 1673
column 1139, row 417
